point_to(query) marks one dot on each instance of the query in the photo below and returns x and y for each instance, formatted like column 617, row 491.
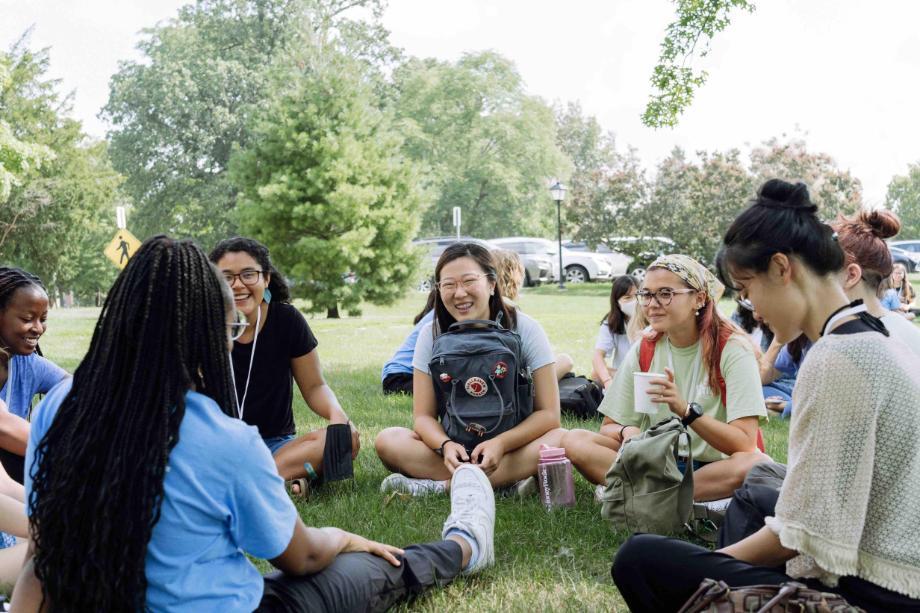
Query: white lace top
column 850, row 504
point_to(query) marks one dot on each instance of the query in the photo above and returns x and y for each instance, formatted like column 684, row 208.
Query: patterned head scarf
column 692, row 273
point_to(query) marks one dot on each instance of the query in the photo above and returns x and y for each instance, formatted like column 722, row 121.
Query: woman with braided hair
column 145, row 492
column 24, row 372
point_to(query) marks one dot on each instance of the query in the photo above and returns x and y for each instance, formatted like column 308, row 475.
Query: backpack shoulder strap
column 646, row 353
column 760, row 442
column 719, row 376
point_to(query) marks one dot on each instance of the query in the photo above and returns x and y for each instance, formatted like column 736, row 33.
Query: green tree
column 673, row 79
column 16, row 157
column 490, row 148
column 904, row 198
column 179, row 112
column 693, row 203
column 835, row 191
column 59, row 217
column 607, row 190
column 323, row 185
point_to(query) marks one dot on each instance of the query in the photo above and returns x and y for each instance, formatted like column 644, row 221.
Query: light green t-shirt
column 744, row 394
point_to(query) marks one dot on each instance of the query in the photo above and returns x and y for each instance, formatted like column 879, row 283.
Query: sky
column 842, row 75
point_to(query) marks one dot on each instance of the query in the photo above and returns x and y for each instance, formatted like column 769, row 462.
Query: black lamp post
column 557, row 191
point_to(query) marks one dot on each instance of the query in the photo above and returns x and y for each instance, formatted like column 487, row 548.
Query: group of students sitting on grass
column 146, row 486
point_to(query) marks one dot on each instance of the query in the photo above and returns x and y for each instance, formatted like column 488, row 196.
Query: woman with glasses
column 424, row 458
column 697, row 350
column 273, row 347
column 847, row 514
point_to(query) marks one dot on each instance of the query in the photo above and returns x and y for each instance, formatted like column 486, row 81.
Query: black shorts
column 398, row 383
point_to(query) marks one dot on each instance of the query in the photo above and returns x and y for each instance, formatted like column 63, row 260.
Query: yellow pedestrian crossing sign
column 122, row 248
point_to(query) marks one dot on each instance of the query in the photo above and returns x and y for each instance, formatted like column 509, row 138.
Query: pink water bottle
column 555, row 478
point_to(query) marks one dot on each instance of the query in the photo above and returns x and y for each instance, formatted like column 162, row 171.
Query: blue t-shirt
column 890, row 300
column 29, row 375
column 401, row 362
column 786, row 365
column 222, row 497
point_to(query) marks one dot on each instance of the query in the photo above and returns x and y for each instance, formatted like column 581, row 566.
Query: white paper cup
column 641, row 383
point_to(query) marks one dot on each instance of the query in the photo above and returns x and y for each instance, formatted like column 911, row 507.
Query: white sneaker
column 397, row 482
column 472, row 509
column 718, row 505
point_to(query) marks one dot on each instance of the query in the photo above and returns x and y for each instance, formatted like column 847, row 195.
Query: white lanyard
column 848, row 312
column 691, row 393
column 252, row 357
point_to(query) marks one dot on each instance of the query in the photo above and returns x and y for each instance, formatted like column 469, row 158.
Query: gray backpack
column 645, row 491
column 481, row 385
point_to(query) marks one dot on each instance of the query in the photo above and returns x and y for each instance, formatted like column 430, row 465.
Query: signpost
column 457, row 220
column 123, row 246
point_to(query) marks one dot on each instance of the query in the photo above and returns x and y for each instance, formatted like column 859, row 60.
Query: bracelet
column 442, row 445
column 622, row 429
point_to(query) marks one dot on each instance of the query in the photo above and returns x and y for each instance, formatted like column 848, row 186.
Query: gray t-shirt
column 535, row 346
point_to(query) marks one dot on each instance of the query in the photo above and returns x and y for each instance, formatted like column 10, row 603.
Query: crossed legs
column 402, row 450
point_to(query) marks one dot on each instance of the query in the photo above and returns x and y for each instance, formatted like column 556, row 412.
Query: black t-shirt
column 284, row 336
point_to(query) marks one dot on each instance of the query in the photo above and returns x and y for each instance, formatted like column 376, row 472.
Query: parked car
column 580, row 267
column 911, row 247
column 619, row 262
column 643, row 250
column 436, row 246
column 901, row 256
column 539, row 266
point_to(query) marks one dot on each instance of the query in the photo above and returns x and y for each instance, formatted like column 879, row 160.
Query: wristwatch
column 694, row 411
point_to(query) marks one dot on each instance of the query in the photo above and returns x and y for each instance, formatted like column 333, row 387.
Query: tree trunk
column 332, row 312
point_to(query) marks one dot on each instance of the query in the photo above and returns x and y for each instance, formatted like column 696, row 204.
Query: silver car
column 536, row 257
column 579, row 266
column 435, row 247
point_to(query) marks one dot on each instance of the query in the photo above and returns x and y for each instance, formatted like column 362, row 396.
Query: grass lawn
column 544, row 561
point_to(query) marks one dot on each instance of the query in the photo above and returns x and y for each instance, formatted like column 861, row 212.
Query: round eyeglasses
column 664, row 296
column 247, row 277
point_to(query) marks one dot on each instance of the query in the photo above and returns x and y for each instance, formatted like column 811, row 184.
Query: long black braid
column 98, row 488
column 11, row 280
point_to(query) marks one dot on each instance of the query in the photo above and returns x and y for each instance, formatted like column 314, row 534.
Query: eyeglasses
column 247, row 277
column 745, row 303
column 449, row 286
column 662, row 296
column 238, row 327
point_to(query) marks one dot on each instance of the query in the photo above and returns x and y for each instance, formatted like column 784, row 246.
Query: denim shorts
column 274, row 443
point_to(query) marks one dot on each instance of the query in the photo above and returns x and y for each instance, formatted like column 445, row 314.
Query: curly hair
column 510, row 272
column 97, row 482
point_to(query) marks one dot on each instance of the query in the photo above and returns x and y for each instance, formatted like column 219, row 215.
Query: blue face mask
column 267, row 296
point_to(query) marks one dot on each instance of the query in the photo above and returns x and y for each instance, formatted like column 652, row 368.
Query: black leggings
column 658, row 574
column 363, row 581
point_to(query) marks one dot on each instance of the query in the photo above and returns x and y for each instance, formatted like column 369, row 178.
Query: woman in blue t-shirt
column 146, row 493
column 23, row 371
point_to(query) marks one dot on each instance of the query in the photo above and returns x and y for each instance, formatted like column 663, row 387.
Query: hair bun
column 882, row 222
column 779, row 194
